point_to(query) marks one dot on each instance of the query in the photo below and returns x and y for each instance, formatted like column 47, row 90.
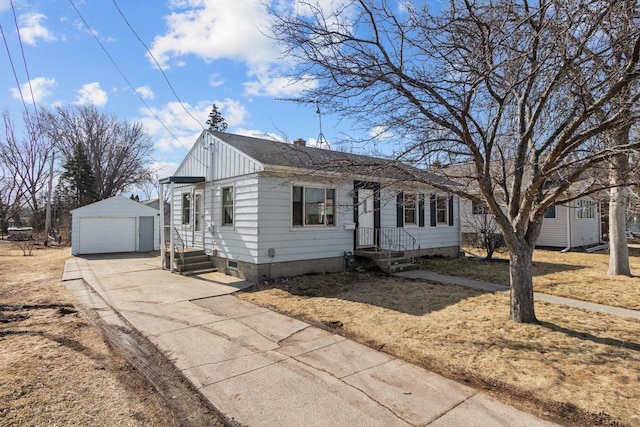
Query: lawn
column 575, row 367
column 578, row 275
column 56, row 367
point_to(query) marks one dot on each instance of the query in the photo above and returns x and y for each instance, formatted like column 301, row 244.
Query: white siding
column 303, row 243
column 585, row 231
column 113, row 207
column 427, row 237
column 554, row 230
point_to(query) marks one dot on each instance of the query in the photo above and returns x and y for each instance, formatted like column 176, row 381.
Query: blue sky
column 212, row 51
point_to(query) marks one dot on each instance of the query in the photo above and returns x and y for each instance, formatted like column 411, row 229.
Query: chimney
column 300, row 142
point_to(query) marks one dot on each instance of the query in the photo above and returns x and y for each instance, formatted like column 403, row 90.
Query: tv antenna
column 321, row 139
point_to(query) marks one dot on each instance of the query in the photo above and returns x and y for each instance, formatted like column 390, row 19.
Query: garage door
column 105, row 235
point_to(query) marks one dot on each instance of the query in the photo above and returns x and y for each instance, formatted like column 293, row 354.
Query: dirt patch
column 57, row 368
column 576, row 367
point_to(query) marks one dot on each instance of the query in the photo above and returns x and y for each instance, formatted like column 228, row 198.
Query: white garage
column 114, row 225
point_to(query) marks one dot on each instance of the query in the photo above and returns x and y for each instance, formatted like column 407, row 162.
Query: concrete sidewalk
column 493, row 287
column 265, row 369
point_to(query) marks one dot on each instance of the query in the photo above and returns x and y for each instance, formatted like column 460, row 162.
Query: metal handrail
column 387, row 239
column 178, row 244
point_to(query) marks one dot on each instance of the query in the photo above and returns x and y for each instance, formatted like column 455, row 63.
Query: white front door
column 198, row 219
column 366, row 232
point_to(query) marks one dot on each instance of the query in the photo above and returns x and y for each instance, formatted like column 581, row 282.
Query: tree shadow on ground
column 414, row 297
column 590, row 337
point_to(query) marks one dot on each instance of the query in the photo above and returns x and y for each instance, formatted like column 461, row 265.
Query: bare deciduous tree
column 26, row 158
column 117, row 150
column 514, row 88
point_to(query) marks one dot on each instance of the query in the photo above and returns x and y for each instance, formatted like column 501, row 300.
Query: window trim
column 405, row 209
column 185, row 219
column 223, row 206
column 329, row 210
column 445, row 199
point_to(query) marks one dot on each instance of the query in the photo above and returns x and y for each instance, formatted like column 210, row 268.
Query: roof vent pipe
column 300, row 142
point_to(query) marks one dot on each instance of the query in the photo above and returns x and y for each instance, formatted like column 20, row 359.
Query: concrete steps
column 196, row 261
column 390, row 263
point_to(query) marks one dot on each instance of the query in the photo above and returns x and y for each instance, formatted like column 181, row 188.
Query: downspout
column 173, row 245
column 163, row 250
column 568, row 248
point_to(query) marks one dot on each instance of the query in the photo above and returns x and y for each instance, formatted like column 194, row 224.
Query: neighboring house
column 264, row 209
column 576, row 223
column 117, row 224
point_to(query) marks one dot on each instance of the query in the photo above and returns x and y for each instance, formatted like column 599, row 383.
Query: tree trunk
column 520, row 272
column 618, row 249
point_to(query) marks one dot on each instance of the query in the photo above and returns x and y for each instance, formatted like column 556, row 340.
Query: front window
column 410, row 210
column 585, row 209
column 313, row 206
column 227, row 206
column 442, row 209
column 186, row 208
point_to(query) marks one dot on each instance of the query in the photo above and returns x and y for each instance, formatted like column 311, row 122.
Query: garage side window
column 186, row 208
column 227, row 206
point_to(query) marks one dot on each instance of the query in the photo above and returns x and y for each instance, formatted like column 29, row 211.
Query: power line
column 24, row 59
column 13, row 68
column 156, row 62
column 127, row 80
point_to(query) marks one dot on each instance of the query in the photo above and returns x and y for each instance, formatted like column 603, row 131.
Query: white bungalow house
column 261, row 208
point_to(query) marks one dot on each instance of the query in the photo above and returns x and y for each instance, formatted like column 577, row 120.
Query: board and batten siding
column 300, row 243
column 216, row 160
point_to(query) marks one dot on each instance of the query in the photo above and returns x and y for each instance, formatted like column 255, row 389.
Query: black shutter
column 421, row 210
column 450, row 210
column 432, row 203
column 400, row 210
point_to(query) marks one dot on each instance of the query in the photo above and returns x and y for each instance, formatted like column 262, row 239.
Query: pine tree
column 216, row 121
column 77, row 184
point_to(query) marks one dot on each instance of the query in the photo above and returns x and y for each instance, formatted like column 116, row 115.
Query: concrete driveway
column 265, row 369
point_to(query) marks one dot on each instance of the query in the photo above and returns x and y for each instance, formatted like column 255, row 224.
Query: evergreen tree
column 216, row 121
column 77, row 184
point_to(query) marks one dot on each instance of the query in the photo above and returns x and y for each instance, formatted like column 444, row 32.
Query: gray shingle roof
column 274, row 153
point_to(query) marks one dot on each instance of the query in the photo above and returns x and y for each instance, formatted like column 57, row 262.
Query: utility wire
column 157, row 63
column 127, row 80
column 24, row 59
column 13, row 68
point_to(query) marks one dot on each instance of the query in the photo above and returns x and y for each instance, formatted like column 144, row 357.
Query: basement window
column 233, row 265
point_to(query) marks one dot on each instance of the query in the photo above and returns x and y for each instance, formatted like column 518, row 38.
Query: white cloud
column 145, row 92
column 4, row 5
column 41, row 87
column 163, row 169
column 259, row 134
column 215, row 80
column 380, row 132
column 31, row 28
column 269, row 83
column 214, row 29
column 234, row 112
column 91, row 94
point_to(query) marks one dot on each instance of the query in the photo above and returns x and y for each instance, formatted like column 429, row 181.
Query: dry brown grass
column 578, row 275
column 56, row 367
column 576, row 367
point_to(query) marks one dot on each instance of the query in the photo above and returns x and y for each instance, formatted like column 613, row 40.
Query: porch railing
column 386, row 239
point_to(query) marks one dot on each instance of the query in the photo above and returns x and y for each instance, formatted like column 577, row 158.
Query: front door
column 366, row 231
column 198, row 219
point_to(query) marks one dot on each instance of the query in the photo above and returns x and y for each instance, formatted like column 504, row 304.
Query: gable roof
column 116, row 204
column 275, row 153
